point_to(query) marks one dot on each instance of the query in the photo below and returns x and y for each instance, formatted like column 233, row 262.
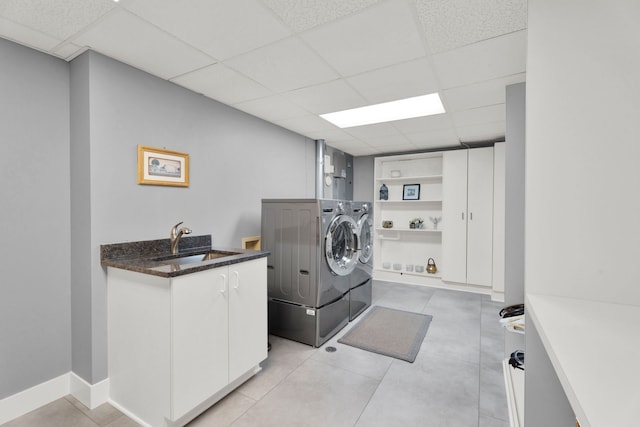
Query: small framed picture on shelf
column 411, row 192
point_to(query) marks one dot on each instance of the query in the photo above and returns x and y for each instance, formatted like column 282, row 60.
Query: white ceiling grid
column 287, row 61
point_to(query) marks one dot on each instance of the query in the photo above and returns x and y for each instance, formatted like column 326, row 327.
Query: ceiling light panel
column 419, row 106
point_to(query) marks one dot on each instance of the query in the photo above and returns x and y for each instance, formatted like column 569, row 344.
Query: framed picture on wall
column 411, row 192
column 157, row 166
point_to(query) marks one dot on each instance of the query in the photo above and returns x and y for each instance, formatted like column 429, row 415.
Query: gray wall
column 69, row 137
column 235, row 161
column 514, row 202
column 34, row 183
column 514, row 206
column 363, row 178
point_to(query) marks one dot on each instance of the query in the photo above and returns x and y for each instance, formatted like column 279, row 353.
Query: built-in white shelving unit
column 401, row 253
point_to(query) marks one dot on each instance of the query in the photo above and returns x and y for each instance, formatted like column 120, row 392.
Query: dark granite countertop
column 154, row 256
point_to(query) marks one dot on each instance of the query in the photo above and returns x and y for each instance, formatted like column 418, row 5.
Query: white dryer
column 313, row 249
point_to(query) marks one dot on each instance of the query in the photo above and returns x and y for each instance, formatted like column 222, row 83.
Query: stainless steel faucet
column 176, row 235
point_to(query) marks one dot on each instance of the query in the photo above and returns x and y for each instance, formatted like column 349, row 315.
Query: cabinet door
column 199, row 337
column 480, row 221
column 454, row 214
column 247, row 316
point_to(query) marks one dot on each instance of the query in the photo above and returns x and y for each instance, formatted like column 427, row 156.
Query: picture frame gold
column 157, row 166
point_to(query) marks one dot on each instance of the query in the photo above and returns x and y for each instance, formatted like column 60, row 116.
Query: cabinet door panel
column 247, row 316
column 480, row 222
column 200, row 359
column 454, row 214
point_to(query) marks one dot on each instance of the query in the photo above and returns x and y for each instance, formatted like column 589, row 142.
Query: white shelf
column 593, row 347
column 410, row 178
column 406, row 202
column 409, row 230
column 410, row 273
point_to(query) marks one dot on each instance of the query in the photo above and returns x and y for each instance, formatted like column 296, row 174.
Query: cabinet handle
column 471, row 216
column 463, row 216
column 224, row 284
column 236, row 285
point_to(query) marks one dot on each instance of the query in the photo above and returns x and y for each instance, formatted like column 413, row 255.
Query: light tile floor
column 456, row 380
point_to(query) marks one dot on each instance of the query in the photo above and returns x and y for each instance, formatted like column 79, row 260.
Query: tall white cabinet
column 456, row 186
column 467, row 248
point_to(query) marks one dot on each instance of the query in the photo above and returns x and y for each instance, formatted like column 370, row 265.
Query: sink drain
column 330, row 349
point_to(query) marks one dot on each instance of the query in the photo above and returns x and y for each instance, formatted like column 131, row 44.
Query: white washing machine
column 313, row 247
column 361, row 279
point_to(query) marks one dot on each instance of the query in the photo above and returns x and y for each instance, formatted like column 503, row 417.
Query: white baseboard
column 39, row 395
column 90, row 395
column 32, row 398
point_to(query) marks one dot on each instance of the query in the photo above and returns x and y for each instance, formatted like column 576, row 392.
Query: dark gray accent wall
column 35, row 227
column 235, row 161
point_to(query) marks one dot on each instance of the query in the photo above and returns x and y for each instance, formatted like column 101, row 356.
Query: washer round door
column 365, row 236
column 341, row 245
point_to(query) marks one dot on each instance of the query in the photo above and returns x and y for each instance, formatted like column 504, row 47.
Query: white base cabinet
column 177, row 345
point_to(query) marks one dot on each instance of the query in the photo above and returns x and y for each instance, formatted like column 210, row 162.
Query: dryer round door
column 341, row 245
column 365, row 236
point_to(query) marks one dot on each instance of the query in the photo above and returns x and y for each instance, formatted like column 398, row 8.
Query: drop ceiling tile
column 223, row 84
column 481, row 132
column 404, row 80
column 493, row 113
column 354, row 147
column 377, row 37
column 151, row 50
column 68, row 51
column 336, row 135
column 434, row 139
column 301, row 16
column 372, row 131
column 498, row 57
column 26, row 36
column 479, row 94
column 328, row 97
column 271, row 108
column 283, row 66
column 421, row 124
column 389, row 140
column 59, row 19
column 450, row 24
column 221, row 29
column 310, row 125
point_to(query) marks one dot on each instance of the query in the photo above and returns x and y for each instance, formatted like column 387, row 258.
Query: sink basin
column 208, row 256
